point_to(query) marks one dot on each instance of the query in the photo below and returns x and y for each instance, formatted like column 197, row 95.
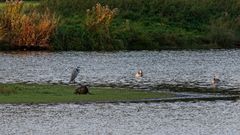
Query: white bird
column 74, row 74
column 139, row 74
column 215, row 81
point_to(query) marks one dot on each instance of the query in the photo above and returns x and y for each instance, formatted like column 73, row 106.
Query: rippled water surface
column 165, row 67
column 215, row 118
column 118, row 68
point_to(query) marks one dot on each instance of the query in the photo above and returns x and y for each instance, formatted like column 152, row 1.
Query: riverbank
column 141, row 25
column 47, row 93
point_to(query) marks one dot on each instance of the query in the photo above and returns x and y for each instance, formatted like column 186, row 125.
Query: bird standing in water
column 74, row 75
column 215, row 81
column 139, row 74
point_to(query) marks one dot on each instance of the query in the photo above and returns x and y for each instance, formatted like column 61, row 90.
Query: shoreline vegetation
column 112, row 25
column 50, row 94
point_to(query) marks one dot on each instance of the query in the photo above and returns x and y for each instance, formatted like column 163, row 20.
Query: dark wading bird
column 139, row 74
column 82, row 89
column 74, row 75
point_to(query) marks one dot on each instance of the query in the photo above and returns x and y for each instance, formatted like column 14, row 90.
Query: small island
column 50, row 94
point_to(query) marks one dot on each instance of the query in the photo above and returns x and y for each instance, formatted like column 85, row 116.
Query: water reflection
column 193, row 68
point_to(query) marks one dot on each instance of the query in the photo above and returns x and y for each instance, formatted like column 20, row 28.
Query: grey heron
column 74, row 74
column 139, row 73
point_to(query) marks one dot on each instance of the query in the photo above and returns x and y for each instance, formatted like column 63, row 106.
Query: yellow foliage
column 21, row 29
column 100, row 17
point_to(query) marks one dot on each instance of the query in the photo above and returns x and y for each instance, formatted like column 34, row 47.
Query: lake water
column 195, row 68
column 180, row 118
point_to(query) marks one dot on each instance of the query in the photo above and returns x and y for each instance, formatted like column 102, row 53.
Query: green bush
column 222, row 32
column 155, row 24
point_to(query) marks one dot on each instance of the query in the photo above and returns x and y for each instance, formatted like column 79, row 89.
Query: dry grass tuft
column 6, row 91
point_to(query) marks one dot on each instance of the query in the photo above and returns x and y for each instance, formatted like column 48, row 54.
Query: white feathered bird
column 139, row 74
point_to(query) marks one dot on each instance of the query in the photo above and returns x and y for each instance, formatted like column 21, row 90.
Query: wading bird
column 215, row 81
column 74, row 75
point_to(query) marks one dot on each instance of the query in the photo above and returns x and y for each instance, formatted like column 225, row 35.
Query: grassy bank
column 145, row 25
column 151, row 25
column 36, row 93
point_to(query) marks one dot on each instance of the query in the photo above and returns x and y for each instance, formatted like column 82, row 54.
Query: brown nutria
column 82, row 89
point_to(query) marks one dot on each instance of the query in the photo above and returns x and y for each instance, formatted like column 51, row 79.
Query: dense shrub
column 139, row 24
column 222, row 32
column 97, row 23
column 155, row 24
column 186, row 13
column 26, row 30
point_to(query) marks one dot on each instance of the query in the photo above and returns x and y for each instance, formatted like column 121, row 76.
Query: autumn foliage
column 26, row 30
column 100, row 17
column 98, row 21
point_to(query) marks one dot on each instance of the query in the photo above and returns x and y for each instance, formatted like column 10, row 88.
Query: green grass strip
column 47, row 93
